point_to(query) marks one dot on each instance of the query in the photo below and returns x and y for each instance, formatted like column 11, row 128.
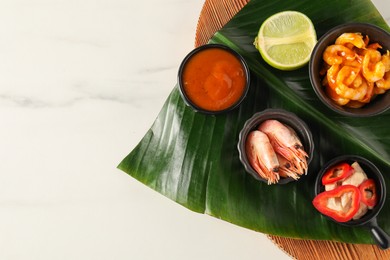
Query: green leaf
column 193, row 159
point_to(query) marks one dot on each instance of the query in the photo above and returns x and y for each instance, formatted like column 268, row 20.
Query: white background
column 80, row 84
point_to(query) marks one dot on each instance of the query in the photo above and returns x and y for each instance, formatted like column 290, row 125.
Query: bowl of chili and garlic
column 350, row 190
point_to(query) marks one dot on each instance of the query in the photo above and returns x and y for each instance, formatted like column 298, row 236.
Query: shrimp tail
column 286, row 169
column 294, row 154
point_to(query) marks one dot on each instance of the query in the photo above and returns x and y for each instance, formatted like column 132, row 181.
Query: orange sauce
column 214, row 79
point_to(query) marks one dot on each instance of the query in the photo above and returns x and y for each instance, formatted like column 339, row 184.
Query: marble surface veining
column 80, row 84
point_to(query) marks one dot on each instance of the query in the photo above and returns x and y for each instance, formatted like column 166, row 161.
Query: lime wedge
column 286, row 40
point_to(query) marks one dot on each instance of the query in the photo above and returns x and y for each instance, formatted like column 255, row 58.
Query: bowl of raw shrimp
column 275, row 146
column 349, row 69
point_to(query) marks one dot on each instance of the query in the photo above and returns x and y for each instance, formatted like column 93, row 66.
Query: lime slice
column 286, row 40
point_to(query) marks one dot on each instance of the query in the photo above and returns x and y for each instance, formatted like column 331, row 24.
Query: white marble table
column 80, row 84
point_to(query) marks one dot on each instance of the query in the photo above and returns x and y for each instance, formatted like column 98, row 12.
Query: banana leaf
column 192, row 158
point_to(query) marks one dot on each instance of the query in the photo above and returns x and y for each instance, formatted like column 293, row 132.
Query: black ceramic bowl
column 369, row 219
column 380, row 103
column 286, row 118
column 192, row 54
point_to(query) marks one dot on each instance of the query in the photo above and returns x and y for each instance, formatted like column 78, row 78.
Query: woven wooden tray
column 214, row 15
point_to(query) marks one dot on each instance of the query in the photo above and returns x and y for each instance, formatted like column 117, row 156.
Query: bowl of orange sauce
column 213, row 79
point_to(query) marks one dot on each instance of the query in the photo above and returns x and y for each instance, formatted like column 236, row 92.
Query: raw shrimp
column 373, row 67
column 336, row 54
column 356, row 39
column 262, row 156
column 285, row 142
column 349, row 84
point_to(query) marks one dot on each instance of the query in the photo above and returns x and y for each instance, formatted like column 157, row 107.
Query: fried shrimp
column 336, row 54
column 349, row 91
column 331, row 75
column 386, row 61
column 335, row 97
column 373, row 67
column 384, row 83
column 354, row 39
column 355, row 70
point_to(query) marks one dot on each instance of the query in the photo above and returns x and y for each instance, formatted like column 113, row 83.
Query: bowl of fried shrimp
column 349, row 69
column 275, row 146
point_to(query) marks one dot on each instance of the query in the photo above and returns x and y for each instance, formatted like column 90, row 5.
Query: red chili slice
column 320, row 202
column 369, row 194
column 336, row 173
